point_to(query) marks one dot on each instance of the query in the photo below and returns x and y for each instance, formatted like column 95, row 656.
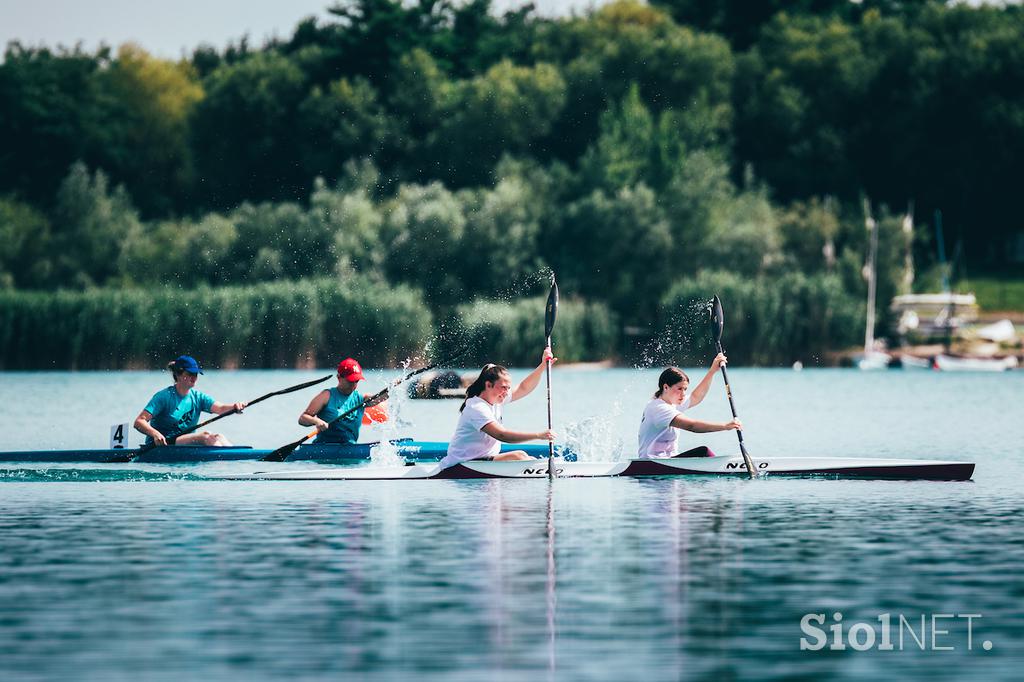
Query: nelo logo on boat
column 741, row 465
column 540, row 472
column 924, row 632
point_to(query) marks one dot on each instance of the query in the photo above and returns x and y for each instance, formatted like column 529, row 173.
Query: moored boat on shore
column 952, row 363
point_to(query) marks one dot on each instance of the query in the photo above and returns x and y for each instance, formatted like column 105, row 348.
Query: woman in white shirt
column 663, row 415
column 480, row 433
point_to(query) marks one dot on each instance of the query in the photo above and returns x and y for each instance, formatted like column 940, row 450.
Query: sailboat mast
column 872, row 276
column 946, row 288
column 908, row 253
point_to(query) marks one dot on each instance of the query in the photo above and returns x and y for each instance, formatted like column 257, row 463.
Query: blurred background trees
column 637, row 149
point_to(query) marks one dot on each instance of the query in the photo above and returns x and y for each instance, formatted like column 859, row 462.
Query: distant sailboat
column 873, row 358
column 942, row 314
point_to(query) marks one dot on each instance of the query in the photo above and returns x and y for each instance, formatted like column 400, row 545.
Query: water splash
column 386, row 453
column 596, row 439
column 683, row 339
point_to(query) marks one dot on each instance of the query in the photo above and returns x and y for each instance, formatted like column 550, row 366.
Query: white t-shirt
column 657, row 435
column 469, row 441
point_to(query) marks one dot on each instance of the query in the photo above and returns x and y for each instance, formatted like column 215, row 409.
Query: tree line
column 439, row 146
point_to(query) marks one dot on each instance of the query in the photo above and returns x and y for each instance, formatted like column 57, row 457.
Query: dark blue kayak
column 421, row 451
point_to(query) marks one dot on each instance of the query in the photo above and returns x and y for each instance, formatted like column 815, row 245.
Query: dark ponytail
column 488, row 373
column 671, row 377
column 174, row 369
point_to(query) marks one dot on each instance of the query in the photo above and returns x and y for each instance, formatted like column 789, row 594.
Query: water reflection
column 583, row 579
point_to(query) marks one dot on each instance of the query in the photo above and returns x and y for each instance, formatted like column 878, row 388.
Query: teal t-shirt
column 173, row 413
column 344, row 430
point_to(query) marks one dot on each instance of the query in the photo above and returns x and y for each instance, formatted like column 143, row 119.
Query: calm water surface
column 156, row 572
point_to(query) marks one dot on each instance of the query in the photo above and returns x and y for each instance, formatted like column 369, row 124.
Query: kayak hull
column 832, row 467
column 189, row 454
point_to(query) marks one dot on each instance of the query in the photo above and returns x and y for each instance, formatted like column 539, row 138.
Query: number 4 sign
column 119, row 436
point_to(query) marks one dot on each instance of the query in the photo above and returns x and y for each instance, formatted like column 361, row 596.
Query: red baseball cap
column 349, row 370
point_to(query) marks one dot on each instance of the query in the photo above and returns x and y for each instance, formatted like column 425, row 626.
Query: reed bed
column 309, row 323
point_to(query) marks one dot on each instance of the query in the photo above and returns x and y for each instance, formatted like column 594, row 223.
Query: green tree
column 180, row 252
column 247, row 145
column 500, row 247
column 624, row 45
column 350, row 213
column 800, row 94
column 91, row 223
column 344, row 121
column 25, row 246
column 424, row 225
column 616, row 248
column 148, row 102
column 505, row 111
column 49, row 118
column 809, row 230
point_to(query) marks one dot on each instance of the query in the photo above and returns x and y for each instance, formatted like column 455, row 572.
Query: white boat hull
column 691, row 466
column 948, row 363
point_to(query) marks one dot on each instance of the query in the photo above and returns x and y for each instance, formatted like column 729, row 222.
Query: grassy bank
column 996, row 293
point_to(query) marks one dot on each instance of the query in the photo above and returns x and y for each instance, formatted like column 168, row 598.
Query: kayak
column 187, row 454
column 829, row 467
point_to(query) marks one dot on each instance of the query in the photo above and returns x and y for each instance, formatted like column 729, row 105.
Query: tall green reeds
column 768, row 320
column 513, row 333
column 281, row 324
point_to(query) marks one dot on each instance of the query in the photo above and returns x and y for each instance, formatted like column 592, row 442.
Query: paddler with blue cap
column 177, row 408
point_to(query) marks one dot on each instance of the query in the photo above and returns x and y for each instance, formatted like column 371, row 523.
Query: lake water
column 156, row 572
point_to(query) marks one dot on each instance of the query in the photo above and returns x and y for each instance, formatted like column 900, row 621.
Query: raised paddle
column 281, row 454
column 550, row 311
column 717, row 322
column 128, row 456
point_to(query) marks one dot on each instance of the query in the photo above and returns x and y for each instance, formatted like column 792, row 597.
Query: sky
column 173, row 28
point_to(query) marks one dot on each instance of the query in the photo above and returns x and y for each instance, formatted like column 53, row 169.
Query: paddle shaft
column 550, row 314
column 551, row 444
column 732, row 406
column 249, row 404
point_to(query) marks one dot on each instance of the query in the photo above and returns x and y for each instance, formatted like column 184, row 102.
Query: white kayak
column 863, row 467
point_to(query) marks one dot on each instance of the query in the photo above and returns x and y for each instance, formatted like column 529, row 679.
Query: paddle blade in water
column 281, row 454
column 551, row 310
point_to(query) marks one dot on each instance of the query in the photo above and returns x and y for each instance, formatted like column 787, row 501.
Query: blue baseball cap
column 187, row 363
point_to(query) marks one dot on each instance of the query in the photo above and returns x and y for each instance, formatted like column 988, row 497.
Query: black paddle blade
column 281, row 454
column 551, row 310
column 717, row 318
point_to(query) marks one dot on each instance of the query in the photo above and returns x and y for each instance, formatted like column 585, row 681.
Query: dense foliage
column 437, row 146
column 278, row 324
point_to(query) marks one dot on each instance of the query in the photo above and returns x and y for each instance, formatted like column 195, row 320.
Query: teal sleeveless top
column 173, row 413
column 344, row 430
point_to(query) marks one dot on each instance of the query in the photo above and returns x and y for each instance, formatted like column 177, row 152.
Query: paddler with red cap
column 329, row 404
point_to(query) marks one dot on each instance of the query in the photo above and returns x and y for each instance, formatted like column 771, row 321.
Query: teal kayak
column 413, row 450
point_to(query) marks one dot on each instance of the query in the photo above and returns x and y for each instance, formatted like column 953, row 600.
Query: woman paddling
column 177, row 408
column 663, row 414
column 329, row 404
column 479, row 433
